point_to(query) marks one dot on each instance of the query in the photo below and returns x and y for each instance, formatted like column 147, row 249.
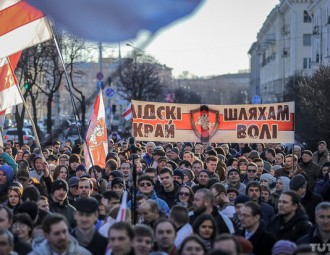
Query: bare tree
column 138, row 78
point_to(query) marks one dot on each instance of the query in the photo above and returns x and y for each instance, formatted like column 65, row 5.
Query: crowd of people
column 183, row 198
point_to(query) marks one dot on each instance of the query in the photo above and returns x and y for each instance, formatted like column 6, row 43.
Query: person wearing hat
column 308, row 199
column 161, row 163
column 238, row 203
column 118, row 186
column 234, row 181
column 291, row 222
column 80, row 170
column 86, row 234
column 157, row 153
column 188, row 177
column 6, row 178
column 175, row 155
column 321, row 155
column 311, row 169
column 15, row 192
column 178, row 176
column 73, row 189
column 283, row 247
column 232, row 194
column 58, row 201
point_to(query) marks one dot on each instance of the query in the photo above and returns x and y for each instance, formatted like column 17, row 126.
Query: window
column 307, row 39
column 307, row 18
column 307, row 63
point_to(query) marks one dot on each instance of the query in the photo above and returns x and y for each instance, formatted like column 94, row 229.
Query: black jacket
column 310, row 201
column 221, row 224
column 65, row 209
column 98, row 245
column 262, row 241
column 298, row 226
column 168, row 197
column 313, row 236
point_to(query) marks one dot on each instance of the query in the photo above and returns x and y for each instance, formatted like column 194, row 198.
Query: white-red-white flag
column 22, row 26
column 127, row 114
column 121, row 216
column 96, row 138
column 9, row 93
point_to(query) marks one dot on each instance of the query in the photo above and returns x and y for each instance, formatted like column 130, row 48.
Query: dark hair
column 252, row 184
column 226, row 236
column 57, row 171
column 220, row 188
column 145, row 177
column 199, row 221
column 191, row 196
column 151, row 170
column 112, row 164
column 163, row 220
column 122, row 226
column 31, row 193
column 179, row 214
column 143, row 230
column 186, row 163
column 9, row 212
column 195, row 238
column 25, row 219
column 165, row 170
column 255, row 208
column 212, row 158
column 50, row 220
column 294, row 197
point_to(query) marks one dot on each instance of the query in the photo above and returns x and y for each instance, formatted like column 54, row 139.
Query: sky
column 214, row 40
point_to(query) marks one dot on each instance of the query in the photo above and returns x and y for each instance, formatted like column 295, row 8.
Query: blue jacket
column 160, row 202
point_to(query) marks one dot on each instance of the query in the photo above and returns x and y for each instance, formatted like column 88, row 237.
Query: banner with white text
column 167, row 122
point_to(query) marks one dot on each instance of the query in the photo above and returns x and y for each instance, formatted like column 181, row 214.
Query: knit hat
column 283, row 247
column 188, row 145
column 308, row 152
column 117, row 180
column 321, row 142
column 205, row 171
column 269, row 178
column 22, row 174
column 8, row 172
column 81, row 168
column 267, row 166
column 178, row 172
column 116, row 173
column 241, row 199
column 229, row 190
column 29, row 207
column 59, row 184
column 233, row 170
column 172, row 163
column 189, row 173
column 73, row 181
column 175, row 150
column 162, row 158
column 246, row 149
column 86, row 205
column 159, row 152
column 276, row 167
column 253, row 155
column 297, row 182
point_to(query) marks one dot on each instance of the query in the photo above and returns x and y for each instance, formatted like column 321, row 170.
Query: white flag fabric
column 121, row 216
column 22, row 26
column 127, row 114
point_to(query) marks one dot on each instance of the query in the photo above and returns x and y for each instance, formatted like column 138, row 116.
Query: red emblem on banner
column 205, row 122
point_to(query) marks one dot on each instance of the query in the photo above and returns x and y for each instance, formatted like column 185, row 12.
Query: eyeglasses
column 184, row 194
column 142, row 184
column 251, row 171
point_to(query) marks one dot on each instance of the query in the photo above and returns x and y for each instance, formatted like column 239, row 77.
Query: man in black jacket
column 204, row 203
column 58, row 201
column 253, row 231
column 291, row 222
column 85, row 232
column 319, row 236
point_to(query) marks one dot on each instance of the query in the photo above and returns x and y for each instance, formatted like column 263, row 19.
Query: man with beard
column 204, row 203
column 85, row 232
column 57, row 238
column 58, row 201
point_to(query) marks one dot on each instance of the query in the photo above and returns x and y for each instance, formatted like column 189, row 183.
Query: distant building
column 283, row 48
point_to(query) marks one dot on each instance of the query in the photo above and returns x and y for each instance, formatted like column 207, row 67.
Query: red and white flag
column 127, row 114
column 96, row 138
column 121, row 216
column 22, row 26
column 9, row 93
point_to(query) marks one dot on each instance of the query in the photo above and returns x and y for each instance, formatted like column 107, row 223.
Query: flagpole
column 30, row 117
column 76, row 115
